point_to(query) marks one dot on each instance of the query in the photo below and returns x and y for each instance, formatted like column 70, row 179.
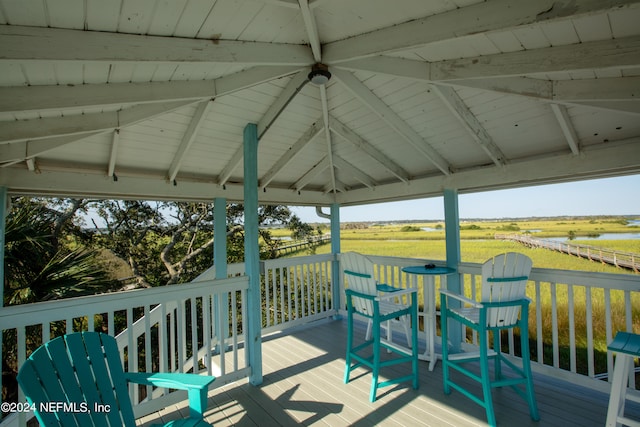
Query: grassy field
column 478, row 244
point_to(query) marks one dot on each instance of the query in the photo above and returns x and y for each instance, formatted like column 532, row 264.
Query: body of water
column 603, row 236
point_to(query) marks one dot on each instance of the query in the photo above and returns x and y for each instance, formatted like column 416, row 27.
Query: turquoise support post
column 335, row 265
column 220, row 263
column 220, row 237
column 452, row 239
column 3, row 216
column 252, row 253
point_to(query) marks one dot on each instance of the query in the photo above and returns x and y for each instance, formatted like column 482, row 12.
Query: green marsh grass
column 478, row 244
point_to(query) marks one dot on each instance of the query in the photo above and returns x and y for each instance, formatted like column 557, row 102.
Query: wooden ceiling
column 149, row 98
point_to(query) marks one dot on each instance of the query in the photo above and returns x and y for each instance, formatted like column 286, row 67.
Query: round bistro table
column 429, row 306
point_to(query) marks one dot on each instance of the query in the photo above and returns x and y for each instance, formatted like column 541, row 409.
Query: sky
column 607, row 196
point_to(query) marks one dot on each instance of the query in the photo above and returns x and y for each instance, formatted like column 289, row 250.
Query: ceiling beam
column 348, row 169
column 113, row 157
column 20, row 151
column 306, row 138
column 92, row 183
column 188, row 138
column 376, row 105
column 560, row 111
column 620, row 53
column 469, row 121
column 38, row 43
column 311, row 174
column 491, row 16
column 350, row 136
column 232, row 164
column 327, row 134
column 60, row 97
column 599, row 161
column 79, row 124
column 312, row 29
column 295, row 85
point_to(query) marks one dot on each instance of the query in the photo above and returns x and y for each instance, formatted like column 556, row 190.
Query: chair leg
column 486, row 379
column 526, row 368
column 414, row 342
column 617, row 398
column 375, row 371
column 445, row 347
column 347, row 369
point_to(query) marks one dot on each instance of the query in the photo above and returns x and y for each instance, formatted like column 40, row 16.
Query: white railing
column 180, row 328
column 295, row 291
column 573, row 314
column 155, row 327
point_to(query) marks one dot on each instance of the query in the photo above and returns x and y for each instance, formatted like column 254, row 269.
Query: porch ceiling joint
column 304, row 140
column 392, row 119
column 27, row 43
column 188, row 138
column 560, row 111
column 349, row 135
column 492, row 16
column 469, row 121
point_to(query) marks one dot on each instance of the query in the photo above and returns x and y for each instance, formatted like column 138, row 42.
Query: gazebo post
column 220, row 262
column 253, row 331
column 452, row 239
column 335, row 265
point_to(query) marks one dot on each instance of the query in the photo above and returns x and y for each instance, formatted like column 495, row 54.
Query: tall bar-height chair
column 502, row 306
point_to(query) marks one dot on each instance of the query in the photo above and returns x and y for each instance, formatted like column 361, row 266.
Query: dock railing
column 628, row 260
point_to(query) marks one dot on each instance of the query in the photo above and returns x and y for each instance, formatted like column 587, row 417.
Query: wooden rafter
column 187, row 139
column 28, row 43
column 495, row 15
column 376, row 105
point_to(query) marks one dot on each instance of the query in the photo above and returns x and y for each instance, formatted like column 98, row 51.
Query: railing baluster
column 554, row 325
column 572, row 330
column 590, row 357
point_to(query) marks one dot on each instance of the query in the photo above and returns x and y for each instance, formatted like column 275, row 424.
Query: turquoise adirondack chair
column 503, row 305
column 365, row 298
column 84, row 371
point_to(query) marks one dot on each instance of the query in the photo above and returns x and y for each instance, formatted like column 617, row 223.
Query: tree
column 170, row 242
column 44, row 255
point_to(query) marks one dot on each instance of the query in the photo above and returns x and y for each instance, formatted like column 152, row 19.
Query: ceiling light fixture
column 319, row 74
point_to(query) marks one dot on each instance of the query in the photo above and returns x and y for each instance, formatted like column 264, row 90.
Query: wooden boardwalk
column 303, row 386
column 627, row 260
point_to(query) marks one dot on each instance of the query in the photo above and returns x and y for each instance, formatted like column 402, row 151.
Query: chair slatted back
column 83, row 367
column 504, row 278
column 358, row 270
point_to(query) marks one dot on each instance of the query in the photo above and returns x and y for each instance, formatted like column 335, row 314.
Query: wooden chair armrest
column 174, row 380
column 461, row 298
column 395, row 294
column 197, row 387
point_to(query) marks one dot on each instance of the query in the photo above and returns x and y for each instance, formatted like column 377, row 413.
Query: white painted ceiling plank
column 306, row 138
column 290, row 91
column 85, row 123
column 327, row 134
column 312, row 29
column 369, row 99
column 341, row 129
column 113, row 157
column 311, row 174
column 560, row 111
column 22, row 150
column 459, row 109
column 188, row 138
column 27, row 43
column 37, row 98
column 484, row 17
column 349, row 169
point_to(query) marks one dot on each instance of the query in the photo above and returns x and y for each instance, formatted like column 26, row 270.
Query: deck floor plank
column 303, row 385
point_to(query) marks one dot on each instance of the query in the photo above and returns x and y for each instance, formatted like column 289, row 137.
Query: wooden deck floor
column 303, row 386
